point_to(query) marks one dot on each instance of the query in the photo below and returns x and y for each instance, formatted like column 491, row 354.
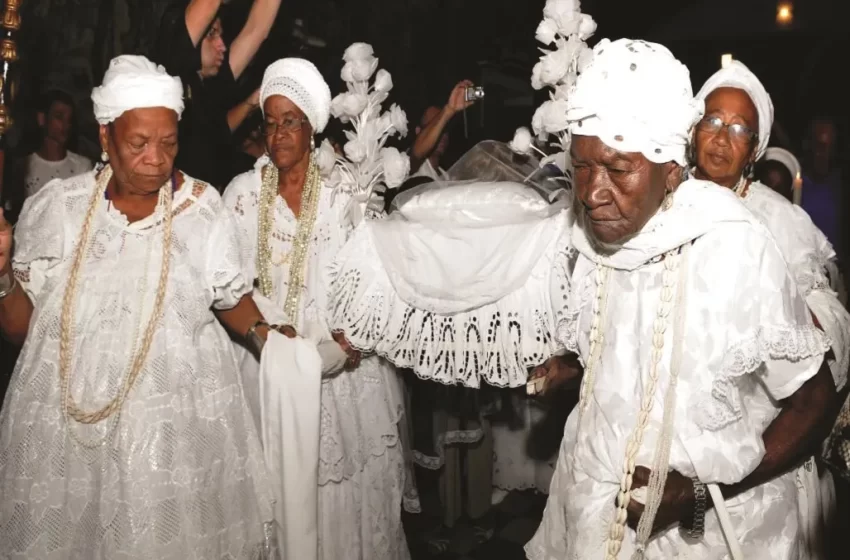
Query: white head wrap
column 786, row 158
column 301, row 82
column 636, row 97
column 134, row 82
column 738, row 76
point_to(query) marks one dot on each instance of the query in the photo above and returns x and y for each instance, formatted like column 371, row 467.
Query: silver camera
column 474, row 93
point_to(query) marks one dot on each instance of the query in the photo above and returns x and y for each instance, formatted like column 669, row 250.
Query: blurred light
column 784, row 13
column 726, row 60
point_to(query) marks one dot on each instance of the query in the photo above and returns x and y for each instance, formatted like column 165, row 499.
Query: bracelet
column 254, row 339
column 696, row 528
column 8, row 283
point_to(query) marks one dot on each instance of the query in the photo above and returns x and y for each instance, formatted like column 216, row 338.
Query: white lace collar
column 698, row 207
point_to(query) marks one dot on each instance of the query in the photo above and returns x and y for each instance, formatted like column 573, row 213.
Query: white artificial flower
column 396, row 167
column 376, row 98
column 554, row 66
column 584, row 58
column 383, row 81
column 337, row 106
column 537, row 123
column 353, row 104
column 587, row 27
column 398, row 118
column 359, row 70
column 358, row 51
column 555, row 116
column 536, row 81
column 355, row 151
column 554, row 9
column 521, row 143
column 546, row 31
column 325, row 158
column 335, row 177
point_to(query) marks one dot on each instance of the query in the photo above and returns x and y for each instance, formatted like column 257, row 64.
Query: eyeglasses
column 713, row 125
column 287, row 125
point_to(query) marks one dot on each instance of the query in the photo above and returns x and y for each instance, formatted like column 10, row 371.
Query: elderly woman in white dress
column 293, row 227
column 125, row 433
column 730, row 138
column 696, row 372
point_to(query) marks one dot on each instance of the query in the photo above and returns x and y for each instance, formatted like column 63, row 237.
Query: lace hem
column 497, row 343
column 723, row 406
column 453, row 437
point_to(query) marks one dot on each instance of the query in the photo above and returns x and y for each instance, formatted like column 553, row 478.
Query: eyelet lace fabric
column 182, row 475
column 361, row 490
column 496, row 343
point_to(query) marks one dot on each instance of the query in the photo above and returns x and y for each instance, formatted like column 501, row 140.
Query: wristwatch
column 694, row 528
column 7, row 283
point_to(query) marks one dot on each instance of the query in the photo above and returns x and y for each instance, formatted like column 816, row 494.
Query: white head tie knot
column 134, row 82
column 636, row 97
column 738, row 76
column 301, row 82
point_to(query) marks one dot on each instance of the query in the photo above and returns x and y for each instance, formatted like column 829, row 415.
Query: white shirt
column 40, row 171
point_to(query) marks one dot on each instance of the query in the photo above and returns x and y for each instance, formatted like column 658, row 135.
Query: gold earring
column 668, row 201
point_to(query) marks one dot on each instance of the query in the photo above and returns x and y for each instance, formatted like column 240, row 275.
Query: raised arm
column 427, row 139
column 246, row 44
column 199, row 15
column 15, row 305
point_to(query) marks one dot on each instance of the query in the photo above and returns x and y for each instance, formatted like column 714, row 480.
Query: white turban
column 636, row 97
column 738, row 76
column 134, row 82
column 786, row 158
column 301, row 82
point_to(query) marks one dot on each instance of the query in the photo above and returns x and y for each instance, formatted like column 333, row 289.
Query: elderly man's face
column 287, row 132
column 142, row 145
column 618, row 191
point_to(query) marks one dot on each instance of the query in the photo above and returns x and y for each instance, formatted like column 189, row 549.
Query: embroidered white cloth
column 301, row 82
column 651, row 120
column 134, row 82
column 458, row 284
column 183, row 476
column 361, row 471
column 290, row 412
column 748, row 342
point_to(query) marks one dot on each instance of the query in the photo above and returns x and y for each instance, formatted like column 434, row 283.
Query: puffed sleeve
column 40, row 239
column 224, row 267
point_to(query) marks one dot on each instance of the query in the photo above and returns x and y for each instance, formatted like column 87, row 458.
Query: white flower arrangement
column 368, row 167
column 565, row 27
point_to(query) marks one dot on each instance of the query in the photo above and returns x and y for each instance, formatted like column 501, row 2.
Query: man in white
column 700, row 377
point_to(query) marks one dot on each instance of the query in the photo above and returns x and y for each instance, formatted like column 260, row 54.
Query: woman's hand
column 353, row 354
column 286, row 330
column 677, row 500
column 556, row 372
column 5, row 244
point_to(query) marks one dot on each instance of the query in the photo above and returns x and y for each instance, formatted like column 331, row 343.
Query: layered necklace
column 67, row 342
column 301, row 242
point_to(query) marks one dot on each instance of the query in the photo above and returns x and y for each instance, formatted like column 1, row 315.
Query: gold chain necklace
column 68, row 322
column 301, row 242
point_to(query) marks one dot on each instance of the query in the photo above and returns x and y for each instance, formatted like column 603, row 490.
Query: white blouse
column 747, row 342
column 181, row 474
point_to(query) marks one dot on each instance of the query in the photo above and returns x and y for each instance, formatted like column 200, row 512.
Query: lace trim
column 723, row 407
column 454, row 437
column 497, row 343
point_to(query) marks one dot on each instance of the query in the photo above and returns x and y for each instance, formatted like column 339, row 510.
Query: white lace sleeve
column 40, row 238
column 225, row 267
column 764, row 325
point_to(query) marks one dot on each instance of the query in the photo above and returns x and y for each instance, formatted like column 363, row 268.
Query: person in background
column 248, row 143
column 778, row 170
column 53, row 159
column 432, row 140
column 190, row 46
column 822, row 182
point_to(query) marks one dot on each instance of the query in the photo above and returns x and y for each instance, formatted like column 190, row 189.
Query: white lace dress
column 747, row 341
column 809, row 255
column 361, row 464
column 182, row 475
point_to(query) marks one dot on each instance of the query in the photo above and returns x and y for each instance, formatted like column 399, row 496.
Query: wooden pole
column 8, row 55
